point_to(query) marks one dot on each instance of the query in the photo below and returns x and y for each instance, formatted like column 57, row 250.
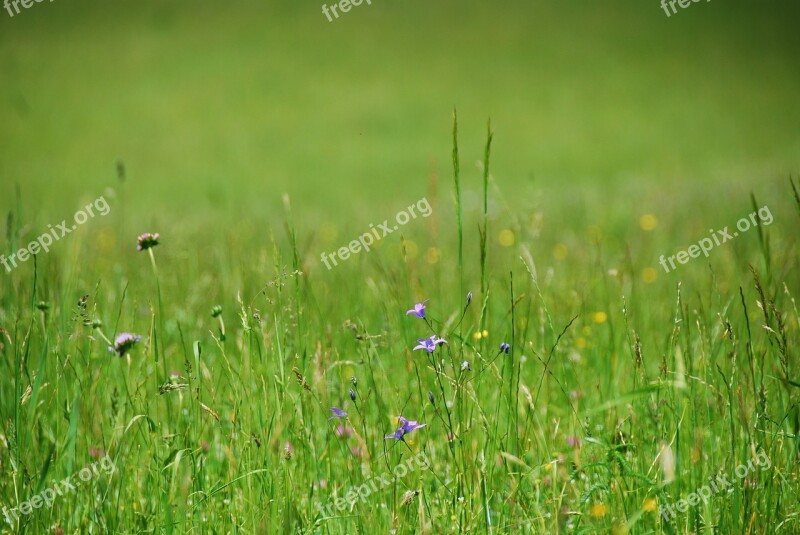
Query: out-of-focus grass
column 229, row 105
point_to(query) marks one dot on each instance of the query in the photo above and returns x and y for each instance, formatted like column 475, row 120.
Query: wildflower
column 648, row 222
column 352, row 394
column 505, row 347
column 574, row 442
column 96, row 453
column 418, row 310
column 357, row 452
column 506, row 237
column 343, row 431
column 430, row 397
column 147, row 240
column 598, row 510
column 337, row 413
column 429, row 344
column 288, row 451
column 465, row 366
column 406, row 427
column 480, row 334
column 123, row 343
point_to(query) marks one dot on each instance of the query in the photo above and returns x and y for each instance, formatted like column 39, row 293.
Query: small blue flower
column 406, row 427
column 505, row 348
column 418, row 310
column 337, row 413
column 429, row 344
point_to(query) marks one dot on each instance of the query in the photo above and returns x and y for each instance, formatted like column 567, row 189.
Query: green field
column 260, row 140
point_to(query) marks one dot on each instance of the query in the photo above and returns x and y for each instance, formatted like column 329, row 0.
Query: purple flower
column 337, row 413
column 418, row 310
column 123, row 343
column 429, row 344
column 147, row 241
column 505, row 348
column 406, row 427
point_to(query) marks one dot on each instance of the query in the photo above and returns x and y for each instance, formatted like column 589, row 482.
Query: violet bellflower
column 418, row 310
column 337, row 413
column 429, row 344
column 406, row 427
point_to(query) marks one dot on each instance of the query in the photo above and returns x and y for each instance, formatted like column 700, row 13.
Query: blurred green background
column 619, row 135
column 217, row 109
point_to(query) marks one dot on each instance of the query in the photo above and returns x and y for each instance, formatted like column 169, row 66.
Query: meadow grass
column 255, row 138
column 624, row 388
